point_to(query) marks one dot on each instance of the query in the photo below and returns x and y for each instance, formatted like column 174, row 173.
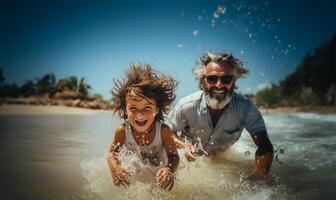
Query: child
column 141, row 99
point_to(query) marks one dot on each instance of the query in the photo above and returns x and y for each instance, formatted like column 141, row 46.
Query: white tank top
column 153, row 154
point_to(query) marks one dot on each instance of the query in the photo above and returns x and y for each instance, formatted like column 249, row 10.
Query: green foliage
column 97, row 96
column 71, row 86
column 28, row 89
column 312, row 82
column 9, row 90
column 268, row 97
column 2, row 78
column 45, row 84
column 83, row 88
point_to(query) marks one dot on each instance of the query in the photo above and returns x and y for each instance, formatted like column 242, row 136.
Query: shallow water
column 63, row 157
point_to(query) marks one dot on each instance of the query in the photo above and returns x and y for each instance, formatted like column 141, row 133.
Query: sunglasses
column 226, row 79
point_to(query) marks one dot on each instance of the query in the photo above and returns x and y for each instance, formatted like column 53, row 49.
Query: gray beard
column 217, row 104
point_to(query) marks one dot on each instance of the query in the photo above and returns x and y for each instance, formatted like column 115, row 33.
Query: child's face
column 141, row 112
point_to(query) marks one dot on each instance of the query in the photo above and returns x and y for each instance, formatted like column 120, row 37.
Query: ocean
column 64, row 157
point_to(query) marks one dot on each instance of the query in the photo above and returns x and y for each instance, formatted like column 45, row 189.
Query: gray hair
column 219, row 57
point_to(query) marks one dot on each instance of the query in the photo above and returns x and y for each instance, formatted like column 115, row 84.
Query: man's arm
column 177, row 122
column 263, row 155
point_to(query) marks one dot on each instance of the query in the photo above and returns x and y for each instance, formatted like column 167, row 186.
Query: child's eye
column 132, row 109
column 148, row 108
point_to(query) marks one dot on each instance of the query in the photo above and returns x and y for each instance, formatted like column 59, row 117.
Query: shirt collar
column 203, row 106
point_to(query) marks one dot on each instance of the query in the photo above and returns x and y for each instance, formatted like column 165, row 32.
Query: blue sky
column 99, row 39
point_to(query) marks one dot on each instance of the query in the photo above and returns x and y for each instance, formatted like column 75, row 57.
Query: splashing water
column 207, row 178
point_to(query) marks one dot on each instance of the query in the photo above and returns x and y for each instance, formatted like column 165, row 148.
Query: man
column 214, row 118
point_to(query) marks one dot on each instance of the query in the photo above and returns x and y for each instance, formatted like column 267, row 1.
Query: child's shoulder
column 120, row 130
column 165, row 129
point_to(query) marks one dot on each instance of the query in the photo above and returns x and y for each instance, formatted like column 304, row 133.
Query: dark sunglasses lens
column 212, row 79
column 227, row 79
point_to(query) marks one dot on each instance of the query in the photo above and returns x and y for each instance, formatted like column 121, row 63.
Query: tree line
column 313, row 83
column 47, row 85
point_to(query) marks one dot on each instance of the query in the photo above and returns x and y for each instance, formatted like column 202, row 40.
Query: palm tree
column 45, row 84
column 83, row 87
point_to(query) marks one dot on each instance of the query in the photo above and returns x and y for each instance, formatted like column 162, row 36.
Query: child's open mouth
column 141, row 122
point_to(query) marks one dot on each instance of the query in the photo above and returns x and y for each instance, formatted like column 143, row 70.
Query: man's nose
column 219, row 83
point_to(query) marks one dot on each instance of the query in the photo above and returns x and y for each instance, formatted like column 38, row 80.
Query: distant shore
column 305, row 109
column 26, row 109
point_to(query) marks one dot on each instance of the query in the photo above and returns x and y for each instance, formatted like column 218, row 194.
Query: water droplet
column 250, row 35
column 179, row 133
column 216, row 15
column 239, row 7
column 195, row 33
column 221, row 9
column 281, row 151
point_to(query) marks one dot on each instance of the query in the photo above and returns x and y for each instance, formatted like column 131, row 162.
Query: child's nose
column 140, row 113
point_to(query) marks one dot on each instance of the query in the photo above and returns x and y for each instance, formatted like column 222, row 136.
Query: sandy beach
column 45, row 110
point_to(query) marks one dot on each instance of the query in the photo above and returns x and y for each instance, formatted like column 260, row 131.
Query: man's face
column 218, row 81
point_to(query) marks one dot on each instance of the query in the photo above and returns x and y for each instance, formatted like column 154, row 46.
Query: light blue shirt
column 192, row 118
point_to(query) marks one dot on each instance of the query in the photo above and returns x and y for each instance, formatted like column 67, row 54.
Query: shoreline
column 26, row 109
column 16, row 109
column 303, row 109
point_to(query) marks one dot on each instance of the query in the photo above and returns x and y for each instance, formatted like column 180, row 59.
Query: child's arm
column 119, row 175
column 164, row 176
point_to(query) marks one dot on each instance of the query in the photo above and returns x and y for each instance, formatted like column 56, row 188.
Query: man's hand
column 189, row 152
column 165, row 178
column 264, row 154
column 120, row 176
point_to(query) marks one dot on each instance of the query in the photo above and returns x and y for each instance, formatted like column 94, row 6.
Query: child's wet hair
column 144, row 81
